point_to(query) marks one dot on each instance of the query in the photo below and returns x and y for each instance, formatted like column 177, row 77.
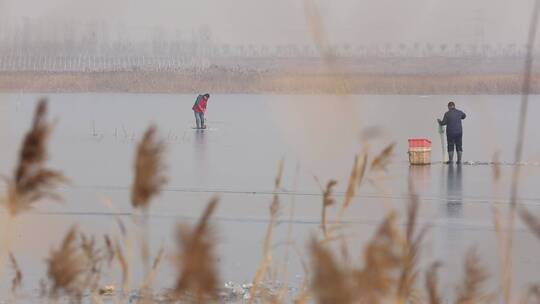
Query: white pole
column 443, row 145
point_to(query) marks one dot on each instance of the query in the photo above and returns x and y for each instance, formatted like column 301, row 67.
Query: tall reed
column 31, row 180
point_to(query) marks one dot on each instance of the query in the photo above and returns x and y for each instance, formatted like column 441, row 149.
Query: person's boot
column 459, row 153
column 450, row 157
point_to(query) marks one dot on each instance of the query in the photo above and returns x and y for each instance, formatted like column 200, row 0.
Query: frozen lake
column 317, row 136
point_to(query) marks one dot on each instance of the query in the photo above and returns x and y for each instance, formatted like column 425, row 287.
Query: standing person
column 454, row 131
column 199, row 108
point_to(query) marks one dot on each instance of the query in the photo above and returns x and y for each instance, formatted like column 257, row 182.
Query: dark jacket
column 452, row 121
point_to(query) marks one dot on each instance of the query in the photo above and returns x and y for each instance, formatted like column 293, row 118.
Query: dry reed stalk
column 124, row 266
column 5, row 245
column 94, row 258
column 502, row 239
column 330, row 283
column 267, row 244
column 355, row 180
column 502, row 236
column 31, row 180
column 267, row 251
column 121, row 250
column 518, row 153
column 381, row 161
column 289, row 240
column 470, row 290
column 496, row 166
column 279, row 176
column 304, row 291
column 109, row 250
column 149, row 167
column 150, row 277
column 431, row 284
column 317, row 29
column 198, row 270
column 16, row 282
column 328, row 200
column 378, row 170
column 336, row 82
column 531, row 221
column 411, row 247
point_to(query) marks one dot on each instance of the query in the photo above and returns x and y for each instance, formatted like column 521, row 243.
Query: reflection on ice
column 454, row 192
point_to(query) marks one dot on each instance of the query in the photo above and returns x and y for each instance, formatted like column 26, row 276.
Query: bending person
column 199, row 108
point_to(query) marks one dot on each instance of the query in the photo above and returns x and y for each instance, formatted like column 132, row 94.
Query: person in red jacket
column 199, row 108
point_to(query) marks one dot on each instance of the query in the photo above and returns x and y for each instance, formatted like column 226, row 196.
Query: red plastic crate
column 419, row 143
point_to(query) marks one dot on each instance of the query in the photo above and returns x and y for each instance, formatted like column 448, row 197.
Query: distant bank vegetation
column 252, row 81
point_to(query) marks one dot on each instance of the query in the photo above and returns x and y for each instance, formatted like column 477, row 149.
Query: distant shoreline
column 219, row 81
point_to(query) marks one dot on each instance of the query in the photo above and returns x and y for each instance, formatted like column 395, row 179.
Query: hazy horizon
column 284, row 21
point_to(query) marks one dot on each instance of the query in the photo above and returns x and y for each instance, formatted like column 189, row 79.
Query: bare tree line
column 97, row 47
column 171, row 58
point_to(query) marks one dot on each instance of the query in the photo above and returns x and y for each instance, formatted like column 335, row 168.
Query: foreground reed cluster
column 389, row 271
column 32, row 180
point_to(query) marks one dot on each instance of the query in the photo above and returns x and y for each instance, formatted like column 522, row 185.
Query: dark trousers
column 454, row 140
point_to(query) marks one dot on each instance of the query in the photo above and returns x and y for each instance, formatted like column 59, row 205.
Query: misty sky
column 284, row 21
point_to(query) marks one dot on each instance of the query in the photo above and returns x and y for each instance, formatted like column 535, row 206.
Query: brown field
column 267, row 83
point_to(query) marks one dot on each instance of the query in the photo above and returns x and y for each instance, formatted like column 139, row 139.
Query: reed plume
column 470, row 290
column 66, row 267
column 32, row 180
column 382, row 260
column 357, row 175
column 198, row 275
column 149, row 167
column 330, row 283
column 382, row 160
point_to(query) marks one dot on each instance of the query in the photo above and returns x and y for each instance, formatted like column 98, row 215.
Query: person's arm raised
column 444, row 121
